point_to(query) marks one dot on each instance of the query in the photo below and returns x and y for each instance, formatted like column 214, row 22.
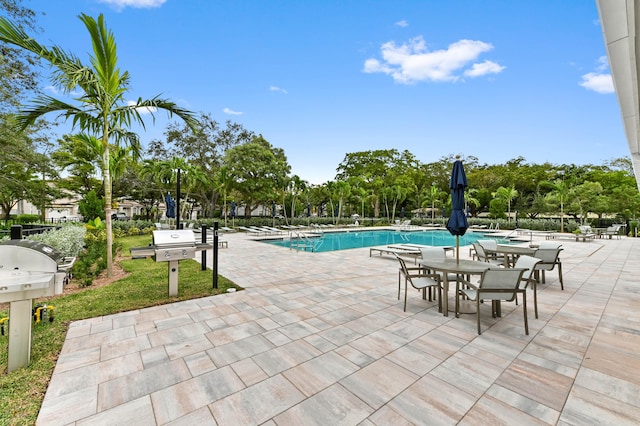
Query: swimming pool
column 333, row 241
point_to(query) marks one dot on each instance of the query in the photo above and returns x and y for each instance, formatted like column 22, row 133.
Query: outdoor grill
column 28, row 270
column 172, row 246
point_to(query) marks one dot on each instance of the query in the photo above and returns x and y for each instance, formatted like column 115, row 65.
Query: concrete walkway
column 321, row 339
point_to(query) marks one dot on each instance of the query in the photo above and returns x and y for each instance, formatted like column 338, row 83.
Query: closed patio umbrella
column 457, row 223
column 171, row 206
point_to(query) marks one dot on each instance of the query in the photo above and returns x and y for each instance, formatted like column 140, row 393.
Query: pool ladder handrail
column 300, row 242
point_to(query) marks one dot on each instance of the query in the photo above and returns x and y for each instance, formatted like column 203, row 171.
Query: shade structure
column 457, row 223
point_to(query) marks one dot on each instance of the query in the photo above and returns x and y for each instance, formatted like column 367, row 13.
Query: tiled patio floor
column 321, row 339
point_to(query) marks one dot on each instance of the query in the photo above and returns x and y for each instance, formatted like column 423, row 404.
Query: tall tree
column 18, row 68
column 204, row 148
column 258, row 172
column 222, row 184
column 102, row 109
column 560, row 191
column 506, row 195
column 296, row 187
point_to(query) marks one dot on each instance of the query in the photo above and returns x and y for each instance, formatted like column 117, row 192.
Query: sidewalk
column 321, row 338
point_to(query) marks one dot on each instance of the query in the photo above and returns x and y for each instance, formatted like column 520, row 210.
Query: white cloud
column 603, row 63
column 136, row 4
column 53, row 90
column 412, row 62
column 277, row 89
column 484, row 68
column 601, row 83
column 56, row 92
column 231, row 112
column 402, row 23
column 143, row 110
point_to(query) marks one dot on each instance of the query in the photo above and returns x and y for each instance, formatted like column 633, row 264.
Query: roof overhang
column 618, row 20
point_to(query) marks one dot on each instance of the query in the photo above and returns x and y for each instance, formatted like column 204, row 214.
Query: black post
column 215, row 254
column 204, row 252
column 16, row 232
column 178, row 203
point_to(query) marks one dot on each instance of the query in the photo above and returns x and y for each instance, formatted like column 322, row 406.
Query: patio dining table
column 453, row 266
column 511, row 253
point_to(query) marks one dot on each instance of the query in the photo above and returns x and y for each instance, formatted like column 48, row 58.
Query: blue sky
column 496, row 79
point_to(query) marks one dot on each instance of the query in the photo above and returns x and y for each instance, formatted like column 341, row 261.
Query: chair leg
column 535, row 298
column 398, row 285
column 560, row 276
column 524, row 308
column 478, row 312
column 405, row 295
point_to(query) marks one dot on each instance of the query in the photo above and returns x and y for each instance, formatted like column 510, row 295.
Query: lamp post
column 562, row 193
column 178, row 202
column 433, row 202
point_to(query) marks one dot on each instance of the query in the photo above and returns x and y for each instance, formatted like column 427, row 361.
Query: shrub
column 69, row 239
column 28, row 218
column 93, row 260
column 91, row 206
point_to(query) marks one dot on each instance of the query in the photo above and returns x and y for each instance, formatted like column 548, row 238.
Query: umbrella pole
column 457, row 249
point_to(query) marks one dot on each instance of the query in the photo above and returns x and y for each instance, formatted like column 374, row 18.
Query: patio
column 320, row 338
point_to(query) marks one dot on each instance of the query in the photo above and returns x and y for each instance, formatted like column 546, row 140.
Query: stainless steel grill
column 171, row 246
column 174, row 245
column 28, row 270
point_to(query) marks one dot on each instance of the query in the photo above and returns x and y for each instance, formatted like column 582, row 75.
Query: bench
column 569, row 236
column 395, row 250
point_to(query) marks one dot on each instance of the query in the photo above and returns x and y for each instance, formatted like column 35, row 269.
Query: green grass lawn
column 22, row 391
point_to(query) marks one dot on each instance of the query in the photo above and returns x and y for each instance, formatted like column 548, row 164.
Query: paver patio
column 321, row 339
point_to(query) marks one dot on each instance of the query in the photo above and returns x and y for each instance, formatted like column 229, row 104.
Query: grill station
column 28, row 270
column 172, row 246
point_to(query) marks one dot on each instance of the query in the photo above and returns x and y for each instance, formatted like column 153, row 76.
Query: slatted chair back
column 500, row 284
column 529, row 263
column 420, row 280
column 433, row 253
column 489, row 244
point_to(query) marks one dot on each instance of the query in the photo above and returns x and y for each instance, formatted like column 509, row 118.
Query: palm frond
column 172, row 108
column 41, row 106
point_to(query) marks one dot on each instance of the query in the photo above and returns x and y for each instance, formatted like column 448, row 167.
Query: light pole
column 433, row 202
column 562, row 191
column 178, row 201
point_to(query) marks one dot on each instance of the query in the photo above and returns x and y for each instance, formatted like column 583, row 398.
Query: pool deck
column 321, row 339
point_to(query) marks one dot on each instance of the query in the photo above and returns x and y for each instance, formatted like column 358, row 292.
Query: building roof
column 618, row 21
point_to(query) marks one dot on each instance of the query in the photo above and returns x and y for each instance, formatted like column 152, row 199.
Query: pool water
column 357, row 239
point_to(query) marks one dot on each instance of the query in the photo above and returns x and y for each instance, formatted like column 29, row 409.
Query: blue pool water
column 358, row 239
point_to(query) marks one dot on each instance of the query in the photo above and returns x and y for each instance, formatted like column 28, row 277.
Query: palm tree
column 433, row 199
column 561, row 190
column 190, row 176
column 469, row 197
column 297, row 186
column 507, row 195
column 222, row 183
column 102, row 109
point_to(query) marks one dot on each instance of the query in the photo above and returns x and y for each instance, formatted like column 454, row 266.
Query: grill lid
column 174, row 238
column 28, row 255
